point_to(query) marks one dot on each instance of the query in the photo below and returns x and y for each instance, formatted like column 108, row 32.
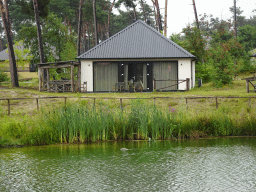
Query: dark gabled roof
column 138, row 40
column 4, row 54
column 254, row 55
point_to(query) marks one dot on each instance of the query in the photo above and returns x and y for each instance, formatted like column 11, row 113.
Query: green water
column 224, row 164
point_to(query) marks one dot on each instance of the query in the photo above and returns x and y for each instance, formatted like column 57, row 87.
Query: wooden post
column 72, row 78
column 47, row 79
column 250, row 106
column 121, row 103
column 9, row 107
column 37, row 104
column 40, row 78
column 154, row 84
column 216, row 99
column 154, row 101
column 65, row 102
column 247, row 86
column 94, row 101
column 187, row 84
column 187, row 102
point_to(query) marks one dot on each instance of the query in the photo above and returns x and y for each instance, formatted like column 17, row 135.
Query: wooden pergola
column 63, row 85
column 248, row 82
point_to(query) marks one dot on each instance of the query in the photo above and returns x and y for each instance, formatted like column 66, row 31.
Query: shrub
column 3, row 76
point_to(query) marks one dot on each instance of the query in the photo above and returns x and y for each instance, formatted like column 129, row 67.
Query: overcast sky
column 181, row 12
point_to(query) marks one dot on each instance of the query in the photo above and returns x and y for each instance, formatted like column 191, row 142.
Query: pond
column 222, row 164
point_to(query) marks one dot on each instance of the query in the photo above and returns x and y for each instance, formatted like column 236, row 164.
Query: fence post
column 121, row 103
column 154, row 101
column 65, row 102
column 187, row 84
column 154, row 84
column 216, row 99
column 250, row 103
column 9, row 107
column 37, row 104
column 94, row 100
column 187, row 103
column 247, row 86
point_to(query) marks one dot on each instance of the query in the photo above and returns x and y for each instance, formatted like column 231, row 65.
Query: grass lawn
column 197, row 112
column 29, row 89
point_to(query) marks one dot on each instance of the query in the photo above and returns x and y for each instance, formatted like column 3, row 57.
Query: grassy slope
column 21, row 110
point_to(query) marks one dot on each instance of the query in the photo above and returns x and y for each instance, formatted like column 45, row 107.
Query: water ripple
column 224, row 165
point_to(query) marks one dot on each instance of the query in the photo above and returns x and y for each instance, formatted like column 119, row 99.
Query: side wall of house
column 186, row 70
column 87, row 74
column 194, row 73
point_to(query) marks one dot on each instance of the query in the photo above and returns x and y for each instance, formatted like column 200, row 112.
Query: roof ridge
column 137, row 25
column 105, row 41
column 168, row 40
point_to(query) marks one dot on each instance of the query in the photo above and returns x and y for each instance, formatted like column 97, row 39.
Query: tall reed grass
column 80, row 123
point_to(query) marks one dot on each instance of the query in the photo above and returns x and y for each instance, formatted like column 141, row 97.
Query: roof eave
column 137, row 58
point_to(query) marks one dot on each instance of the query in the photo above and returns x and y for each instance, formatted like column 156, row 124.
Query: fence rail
column 124, row 98
column 178, row 81
column 19, row 69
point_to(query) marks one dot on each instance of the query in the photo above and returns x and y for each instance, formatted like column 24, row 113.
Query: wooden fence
column 19, row 69
column 8, row 100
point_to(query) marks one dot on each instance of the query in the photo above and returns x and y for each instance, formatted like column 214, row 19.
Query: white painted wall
column 184, row 71
column 194, row 73
column 87, row 74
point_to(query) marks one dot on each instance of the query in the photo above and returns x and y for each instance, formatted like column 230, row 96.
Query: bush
column 223, row 65
column 3, row 76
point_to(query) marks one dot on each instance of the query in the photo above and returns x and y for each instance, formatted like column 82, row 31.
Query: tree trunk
column 39, row 34
column 109, row 14
column 12, row 61
column 134, row 12
column 39, row 37
column 159, row 21
column 165, row 18
column 8, row 15
column 197, row 22
column 79, row 27
column 95, row 23
column 143, row 9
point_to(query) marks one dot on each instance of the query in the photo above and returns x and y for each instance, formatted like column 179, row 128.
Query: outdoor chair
column 138, row 86
column 119, row 86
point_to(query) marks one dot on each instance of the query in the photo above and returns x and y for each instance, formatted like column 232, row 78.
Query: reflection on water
column 226, row 164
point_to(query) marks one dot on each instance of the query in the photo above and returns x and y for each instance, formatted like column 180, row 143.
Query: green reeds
column 80, row 123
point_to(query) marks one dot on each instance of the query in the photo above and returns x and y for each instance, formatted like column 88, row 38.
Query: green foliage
column 69, row 51
column 22, row 55
column 56, row 38
column 196, row 44
column 247, row 37
column 204, row 71
column 3, row 76
column 27, row 7
column 223, row 65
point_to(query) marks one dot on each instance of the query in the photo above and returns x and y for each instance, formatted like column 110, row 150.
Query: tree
column 223, row 65
column 158, row 18
column 39, row 34
column 109, row 15
column 247, row 37
column 79, row 27
column 196, row 44
column 12, row 61
column 95, row 23
column 55, row 35
column 128, row 4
